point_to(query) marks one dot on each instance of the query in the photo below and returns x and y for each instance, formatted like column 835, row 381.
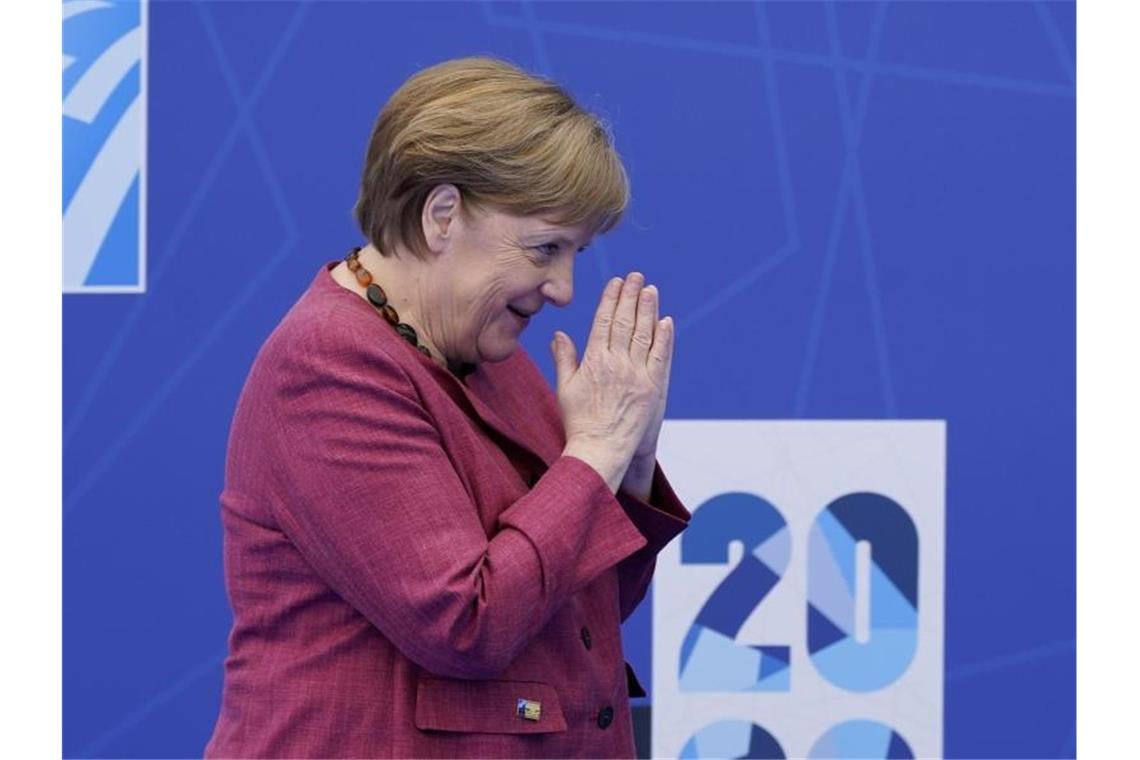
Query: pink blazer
column 414, row 569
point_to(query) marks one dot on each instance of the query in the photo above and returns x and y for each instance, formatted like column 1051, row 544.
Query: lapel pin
column 528, row 709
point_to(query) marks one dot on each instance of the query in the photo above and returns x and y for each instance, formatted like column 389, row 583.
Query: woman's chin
column 499, row 351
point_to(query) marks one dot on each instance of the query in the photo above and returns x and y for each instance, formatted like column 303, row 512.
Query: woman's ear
column 441, row 209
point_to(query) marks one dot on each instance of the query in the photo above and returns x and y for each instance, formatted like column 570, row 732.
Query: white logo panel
column 104, row 146
column 801, row 613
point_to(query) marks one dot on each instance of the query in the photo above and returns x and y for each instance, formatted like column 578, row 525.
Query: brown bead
column 364, row 277
column 376, row 296
column 408, row 333
column 390, row 315
column 353, row 263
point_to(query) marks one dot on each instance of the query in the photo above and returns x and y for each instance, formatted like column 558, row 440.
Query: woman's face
column 495, row 273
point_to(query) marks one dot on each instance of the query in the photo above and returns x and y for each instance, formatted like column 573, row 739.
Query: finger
column 604, row 317
column 661, row 355
column 565, row 358
column 669, row 357
column 644, row 326
column 625, row 315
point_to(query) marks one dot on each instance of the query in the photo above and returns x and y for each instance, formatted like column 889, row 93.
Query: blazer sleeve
column 659, row 521
column 372, row 500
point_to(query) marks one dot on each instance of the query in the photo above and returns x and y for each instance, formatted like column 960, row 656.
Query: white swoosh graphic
column 90, row 93
column 99, row 196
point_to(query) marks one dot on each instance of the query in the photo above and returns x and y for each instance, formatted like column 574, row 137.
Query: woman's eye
column 547, row 249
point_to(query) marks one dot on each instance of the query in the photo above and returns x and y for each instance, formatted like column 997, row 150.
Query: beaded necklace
column 379, row 299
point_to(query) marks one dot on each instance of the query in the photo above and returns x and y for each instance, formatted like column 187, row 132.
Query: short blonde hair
column 505, row 138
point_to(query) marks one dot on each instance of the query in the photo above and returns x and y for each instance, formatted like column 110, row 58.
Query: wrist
column 638, row 479
column 609, row 467
column 646, row 461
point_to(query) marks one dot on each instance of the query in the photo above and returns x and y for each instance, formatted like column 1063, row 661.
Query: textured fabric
column 408, row 556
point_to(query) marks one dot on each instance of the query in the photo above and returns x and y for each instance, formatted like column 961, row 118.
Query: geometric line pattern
column 243, row 126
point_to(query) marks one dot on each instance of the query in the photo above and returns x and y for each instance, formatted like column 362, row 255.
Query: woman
column 429, row 553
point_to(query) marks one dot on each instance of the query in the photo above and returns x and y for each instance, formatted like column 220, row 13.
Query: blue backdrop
column 853, row 210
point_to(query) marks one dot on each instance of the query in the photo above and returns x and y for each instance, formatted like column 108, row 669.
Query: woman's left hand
column 638, row 479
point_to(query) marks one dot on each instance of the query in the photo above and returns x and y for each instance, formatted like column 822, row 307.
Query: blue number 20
column 710, row 658
column 852, row 653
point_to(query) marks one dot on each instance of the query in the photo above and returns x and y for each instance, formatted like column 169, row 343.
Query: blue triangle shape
column 764, row 745
column 783, row 654
column 898, row 747
column 770, row 665
column 822, row 633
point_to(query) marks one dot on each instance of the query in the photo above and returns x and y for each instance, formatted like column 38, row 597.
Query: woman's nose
column 559, row 287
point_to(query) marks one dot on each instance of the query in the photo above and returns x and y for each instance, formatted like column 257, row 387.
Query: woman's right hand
column 609, row 401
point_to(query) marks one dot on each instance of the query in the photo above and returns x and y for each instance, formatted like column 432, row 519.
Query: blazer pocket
column 487, row 707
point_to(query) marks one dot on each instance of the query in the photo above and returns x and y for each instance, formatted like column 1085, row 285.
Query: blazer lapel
column 467, row 396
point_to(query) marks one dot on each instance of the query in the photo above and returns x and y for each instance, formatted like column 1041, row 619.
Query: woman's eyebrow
column 561, row 240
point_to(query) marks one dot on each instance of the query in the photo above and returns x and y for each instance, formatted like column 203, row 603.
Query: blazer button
column 605, row 717
column 586, row 640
